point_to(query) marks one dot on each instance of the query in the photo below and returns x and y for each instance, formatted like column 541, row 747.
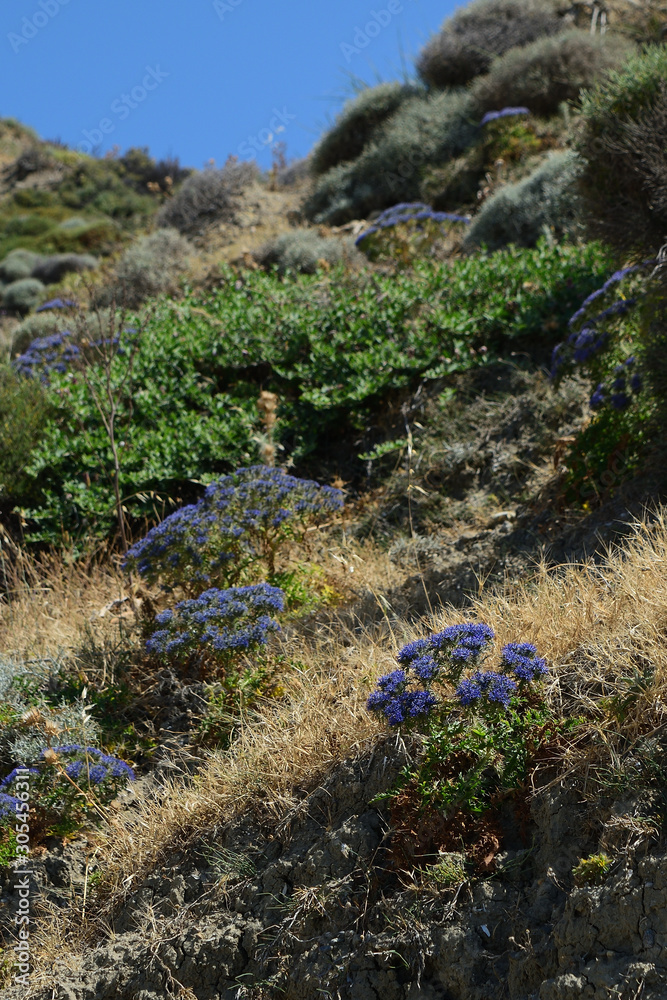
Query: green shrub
column 304, row 250
column 356, row 124
column 468, row 42
column 425, row 130
column 18, row 264
column 622, row 143
column 206, row 197
column 149, row 267
column 549, row 71
column 520, row 213
column 22, row 296
column 24, row 411
column 333, row 348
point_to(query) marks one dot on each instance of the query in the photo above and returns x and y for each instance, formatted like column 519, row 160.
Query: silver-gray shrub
column 53, row 269
column 18, row 264
column 355, row 125
column 149, row 267
column 207, row 196
column 520, row 213
column 469, row 40
column 303, row 249
column 426, row 130
column 542, row 75
column 22, row 296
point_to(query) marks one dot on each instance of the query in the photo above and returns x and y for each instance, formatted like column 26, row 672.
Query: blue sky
column 200, row 79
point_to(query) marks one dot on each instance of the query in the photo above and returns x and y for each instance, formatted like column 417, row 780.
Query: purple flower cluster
column 423, row 662
column 56, row 304
column 408, row 212
column 497, row 688
column 616, row 393
column 492, row 116
column 103, row 767
column 230, row 527
column 8, row 806
column 589, row 336
column 224, row 621
column 401, row 697
column 522, row 659
column 46, row 355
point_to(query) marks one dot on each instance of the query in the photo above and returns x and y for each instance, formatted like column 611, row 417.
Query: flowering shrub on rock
column 418, row 225
column 406, row 694
column 479, row 740
column 71, row 783
column 241, row 521
column 221, row 622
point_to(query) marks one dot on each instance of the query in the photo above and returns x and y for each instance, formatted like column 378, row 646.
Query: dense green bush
column 356, row 123
column 22, row 296
column 150, row 266
column 304, row 250
column 468, row 41
column 542, row 75
column 332, row 347
column 519, row 213
column 622, row 143
column 425, row 130
column 206, row 197
column 18, row 264
column 24, row 411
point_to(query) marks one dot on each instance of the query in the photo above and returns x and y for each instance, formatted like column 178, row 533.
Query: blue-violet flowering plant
column 241, row 521
column 452, row 658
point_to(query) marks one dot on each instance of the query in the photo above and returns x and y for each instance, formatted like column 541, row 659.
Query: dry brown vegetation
column 596, row 624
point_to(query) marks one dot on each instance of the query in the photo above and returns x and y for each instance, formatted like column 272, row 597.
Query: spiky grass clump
column 550, row 70
column 355, row 125
column 622, row 145
column 304, row 250
column 206, row 197
column 425, row 130
column 468, row 42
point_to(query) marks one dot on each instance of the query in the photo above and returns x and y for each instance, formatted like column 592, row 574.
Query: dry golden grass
column 595, row 624
column 52, row 600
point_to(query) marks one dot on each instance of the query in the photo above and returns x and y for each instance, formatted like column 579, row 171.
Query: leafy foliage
column 329, row 346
